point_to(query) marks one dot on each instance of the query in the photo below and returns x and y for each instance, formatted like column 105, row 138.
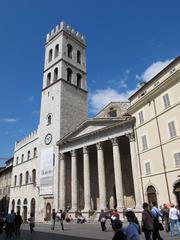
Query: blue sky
column 128, row 42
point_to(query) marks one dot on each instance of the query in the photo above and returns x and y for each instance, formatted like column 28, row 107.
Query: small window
column 79, row 80
column 50, row 55
column 35, row 152
column 78, row 57
column 20, row 179
column 141, row 117
column 34, row 175
column 17, row 160
column 49, row 119
column 166, row 100
column 56, row 51
column 22, row 158
column 69, row 50
column 112, row 113
column 27, row 177
column 15, row 180
column 172, row 129
column 28, row 155
column 48, row 79
column 177, row 159
column 55, row 74
column 147, row 168
column 144, row 142
column 69, row 75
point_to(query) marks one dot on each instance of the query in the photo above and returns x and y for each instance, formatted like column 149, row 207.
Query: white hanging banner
column 46, row 171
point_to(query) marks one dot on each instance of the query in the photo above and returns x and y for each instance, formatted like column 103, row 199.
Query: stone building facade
column 5, row 184
column 156, row 108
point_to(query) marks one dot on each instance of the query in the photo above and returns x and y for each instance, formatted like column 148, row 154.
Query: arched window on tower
column 15, row 180
column 34, row 176
column 28, row 155
column 69, row 50
column 35, row 152
column 49, row 118
column 56, row 50
column 50, row 55
column 79, row 80
column 20, row 179
column 69, row 75
column 78, row 57
column 27, row 177
column 55, row 74
column 48, row 79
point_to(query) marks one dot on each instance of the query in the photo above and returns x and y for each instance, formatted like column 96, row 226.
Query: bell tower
column 64, row 92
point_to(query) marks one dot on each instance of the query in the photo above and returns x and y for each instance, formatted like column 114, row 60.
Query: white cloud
column 152, row 70
column 9, row 120
column 101, row 97
column 30, row 99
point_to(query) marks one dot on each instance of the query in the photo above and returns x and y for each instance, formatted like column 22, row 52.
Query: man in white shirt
column 174, row 220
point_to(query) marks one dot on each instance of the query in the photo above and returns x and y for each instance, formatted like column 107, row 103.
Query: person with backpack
column 156, row 213
column 62, row 218
column 53, row 219
column 102, row 220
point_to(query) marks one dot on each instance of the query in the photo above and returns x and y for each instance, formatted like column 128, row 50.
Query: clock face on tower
column 48, row 138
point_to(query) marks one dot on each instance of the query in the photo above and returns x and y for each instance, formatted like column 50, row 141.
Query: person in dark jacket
column 17, row 222
column 119, row 234
column 102, row 220
column 147, row 222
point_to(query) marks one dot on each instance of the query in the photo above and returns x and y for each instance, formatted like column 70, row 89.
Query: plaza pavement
column 72, row 231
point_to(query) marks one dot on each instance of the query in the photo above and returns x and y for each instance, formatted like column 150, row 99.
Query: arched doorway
column 18, row 207
column 33, row 206
column 24, row 214
column 48, row 212
column 13, row 205
column 177, row 192
column 151, row 194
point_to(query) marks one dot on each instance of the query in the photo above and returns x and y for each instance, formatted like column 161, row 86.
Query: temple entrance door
column 151, row 194
column 48, row 212
column 177, row 192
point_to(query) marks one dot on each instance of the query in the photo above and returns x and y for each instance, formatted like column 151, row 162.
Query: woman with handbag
column 147, row 222
column 173, row 218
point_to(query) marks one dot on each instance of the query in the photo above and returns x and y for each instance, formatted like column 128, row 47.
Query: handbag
column 160, row 227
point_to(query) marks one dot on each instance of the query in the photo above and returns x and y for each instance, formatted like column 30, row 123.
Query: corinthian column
column 118, row 174
column 62, row 180
column 101, row 176
column 87, row 197
column 134, row 164
column 74, row 180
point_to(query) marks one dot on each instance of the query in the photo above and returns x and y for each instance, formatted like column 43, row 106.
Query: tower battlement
column 64, row 27
column 26, row 140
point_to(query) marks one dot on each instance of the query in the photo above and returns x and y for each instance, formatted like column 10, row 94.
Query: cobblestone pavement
column 72, row 231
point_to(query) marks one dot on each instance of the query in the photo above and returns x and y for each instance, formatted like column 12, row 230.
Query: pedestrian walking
column 119, row 234
column 53, row 219
column 173, row 217
column 17, row 223
column 165, row 216
column 62, row 218
column 133, row 229
column 147, row 222
column 114, row 216
column 1, row 223
column 102, row 220
column 9, row 224
column 31, row 223
column 156, row 214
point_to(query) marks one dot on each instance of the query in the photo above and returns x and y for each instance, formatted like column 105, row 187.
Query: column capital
column 73, row 153
column 114, row 141
column 131, row 136
column 85, row 150
column 99, row 146
column 61, row 156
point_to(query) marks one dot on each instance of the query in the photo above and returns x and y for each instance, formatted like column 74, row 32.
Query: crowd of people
column 153, row 221
column 12, row 224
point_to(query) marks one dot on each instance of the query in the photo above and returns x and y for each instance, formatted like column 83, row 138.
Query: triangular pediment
column 90, row 126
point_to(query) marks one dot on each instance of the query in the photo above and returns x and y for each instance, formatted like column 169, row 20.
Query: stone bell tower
column 64, row 96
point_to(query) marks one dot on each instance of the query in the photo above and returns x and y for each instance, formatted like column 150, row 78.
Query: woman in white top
column 174, row 220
